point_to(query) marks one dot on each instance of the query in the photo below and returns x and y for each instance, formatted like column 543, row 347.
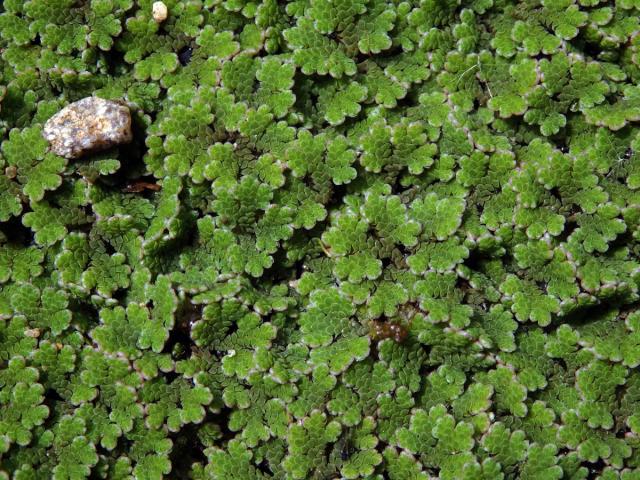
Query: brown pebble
column 381, row 330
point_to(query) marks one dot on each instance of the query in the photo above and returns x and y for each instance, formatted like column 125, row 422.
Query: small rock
column 88, row 125
column 159, row 12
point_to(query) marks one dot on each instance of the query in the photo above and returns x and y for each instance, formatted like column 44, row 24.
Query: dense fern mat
column 376, row 239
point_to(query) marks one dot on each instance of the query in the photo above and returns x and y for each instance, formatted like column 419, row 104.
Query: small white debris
column 88, row 125
column 159, row 11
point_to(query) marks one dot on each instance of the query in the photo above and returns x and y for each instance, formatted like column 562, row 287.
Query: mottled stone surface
column 88, row 125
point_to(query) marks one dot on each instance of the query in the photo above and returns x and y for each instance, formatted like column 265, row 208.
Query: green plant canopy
column 351, row 239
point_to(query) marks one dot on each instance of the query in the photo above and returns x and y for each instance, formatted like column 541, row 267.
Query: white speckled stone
column 88, row 125
column 159, row 11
